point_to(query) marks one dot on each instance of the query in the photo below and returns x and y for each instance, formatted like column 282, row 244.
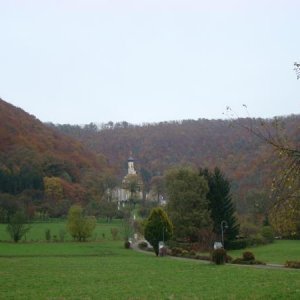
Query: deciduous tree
column 158, row 186
column 53, row 188
column 187, row 204
column 17, row 226
column 80, row 226
column 133, row 184
column 285, row 217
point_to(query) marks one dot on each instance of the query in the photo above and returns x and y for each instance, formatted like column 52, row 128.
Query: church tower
column 131, row 170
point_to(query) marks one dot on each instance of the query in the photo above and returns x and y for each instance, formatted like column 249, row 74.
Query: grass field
column 278, row 252
column 37, row 231
column 105, row 270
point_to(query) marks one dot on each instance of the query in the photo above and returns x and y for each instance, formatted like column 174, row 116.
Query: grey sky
column 146, row 60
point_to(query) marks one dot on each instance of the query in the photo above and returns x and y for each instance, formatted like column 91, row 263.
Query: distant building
column 131, row 189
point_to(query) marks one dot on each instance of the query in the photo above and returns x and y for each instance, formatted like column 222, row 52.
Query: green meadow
column 37, row 231
column 278, row 252
column 104, row 269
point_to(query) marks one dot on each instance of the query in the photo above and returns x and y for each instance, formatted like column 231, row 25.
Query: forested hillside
column 41, row 168
column 46, row 167
column 248, row 161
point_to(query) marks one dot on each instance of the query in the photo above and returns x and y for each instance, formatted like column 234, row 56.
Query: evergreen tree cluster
column 220, row 203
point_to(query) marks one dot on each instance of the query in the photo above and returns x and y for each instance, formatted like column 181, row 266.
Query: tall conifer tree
column 220, row 203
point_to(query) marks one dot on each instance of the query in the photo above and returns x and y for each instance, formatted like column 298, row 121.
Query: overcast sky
column 82, row 61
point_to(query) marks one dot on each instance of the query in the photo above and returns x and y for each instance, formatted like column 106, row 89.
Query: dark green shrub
column 292, row 264
column 241, row 261
column 247, row 229
column 185, row 253
column 219, row 256
column 237, row 261
column 237, row 244
column 158, row 227
column 228, row 258
column 172, row 244
column 127, row 245
column 268, row 234
column 256, row 240
column 184, row 245
column 248, row 259
column 192, row 253
column 247, row 256
column 48, row 235
column 176, row 251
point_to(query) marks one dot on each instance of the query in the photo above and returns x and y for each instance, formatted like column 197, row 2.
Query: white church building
column 131, row 186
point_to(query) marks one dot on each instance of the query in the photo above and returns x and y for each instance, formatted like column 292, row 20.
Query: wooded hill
column 31, row 153
column 248, row 161
column 50, row 166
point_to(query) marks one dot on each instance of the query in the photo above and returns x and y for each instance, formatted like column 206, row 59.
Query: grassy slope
column 107, row 271
column 277, row 252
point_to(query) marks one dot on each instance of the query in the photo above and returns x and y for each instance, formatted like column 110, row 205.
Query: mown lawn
column 105, row 270
column 278, row 252
column 37, row 231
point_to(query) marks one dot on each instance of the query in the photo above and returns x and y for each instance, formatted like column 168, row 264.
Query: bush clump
column 247, row 256
column 79, row 225
column 237, row 244
column 185, row 253
column 268, row 234
column 292, row 264
column 256, row 240
column 247, row 259
column 238, row 261
column 179, row 252
column 241, row 261
column 228, row 259
column 176, row 251
column 218, row 256
column 158, row 227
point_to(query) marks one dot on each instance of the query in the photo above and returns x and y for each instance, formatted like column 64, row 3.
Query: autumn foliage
column 41, row 168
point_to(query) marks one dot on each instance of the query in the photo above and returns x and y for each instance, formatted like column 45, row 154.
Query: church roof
column 130, row 158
